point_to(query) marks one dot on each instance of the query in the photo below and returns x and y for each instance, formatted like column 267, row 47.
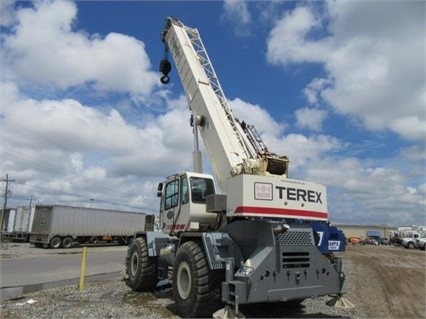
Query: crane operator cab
column 183, row 203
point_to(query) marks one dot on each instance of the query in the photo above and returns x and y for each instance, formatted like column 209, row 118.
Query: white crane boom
column 233, row 147
column 253, row 179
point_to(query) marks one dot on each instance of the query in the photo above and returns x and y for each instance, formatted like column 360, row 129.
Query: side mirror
column 160, row 190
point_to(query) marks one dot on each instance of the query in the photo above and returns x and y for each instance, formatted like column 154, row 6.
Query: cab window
column 184, row 190
column 171, row 194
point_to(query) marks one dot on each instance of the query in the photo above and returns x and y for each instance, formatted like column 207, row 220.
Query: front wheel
column 196, row 289
column 141, row 269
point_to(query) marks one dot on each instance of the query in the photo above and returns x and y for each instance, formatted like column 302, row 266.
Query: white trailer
column 57, row 226
column 8, row 222
column 23, row 222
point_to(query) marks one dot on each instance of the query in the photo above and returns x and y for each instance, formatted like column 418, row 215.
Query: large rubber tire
column 55, row 242
column 141, row 269
column 196, row 289
column 67, row 242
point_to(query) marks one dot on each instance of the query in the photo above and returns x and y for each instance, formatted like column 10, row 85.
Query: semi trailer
column 58, row 226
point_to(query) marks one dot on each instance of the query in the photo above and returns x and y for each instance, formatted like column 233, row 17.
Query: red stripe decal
column 279, row 211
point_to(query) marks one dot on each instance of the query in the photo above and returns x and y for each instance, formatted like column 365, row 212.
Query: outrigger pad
column 340, row 302
column 227, row 313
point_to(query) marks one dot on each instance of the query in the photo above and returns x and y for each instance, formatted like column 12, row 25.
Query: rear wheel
column 55, row 242
column 67, row 242
column 196, row 289
column 141, row 269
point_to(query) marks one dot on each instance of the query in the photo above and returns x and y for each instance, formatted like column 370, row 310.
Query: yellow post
column 83, row 268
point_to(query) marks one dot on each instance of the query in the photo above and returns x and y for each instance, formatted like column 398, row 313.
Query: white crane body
column 264, row 238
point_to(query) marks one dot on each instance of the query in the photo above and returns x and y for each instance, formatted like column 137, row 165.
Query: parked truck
column 262, row 238
column 57, row 226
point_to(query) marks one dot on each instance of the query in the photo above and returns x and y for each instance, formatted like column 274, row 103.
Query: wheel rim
column 184, row 279
column 134, row 262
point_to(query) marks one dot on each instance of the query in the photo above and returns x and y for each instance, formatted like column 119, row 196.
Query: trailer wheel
column 67, row 242
column 141, row 269
column 196, row 289
column 55, row 242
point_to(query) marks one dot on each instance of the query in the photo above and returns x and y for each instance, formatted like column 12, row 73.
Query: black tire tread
column 146, row 276
column 65, row 243
column 207, row 284
column 51, row 245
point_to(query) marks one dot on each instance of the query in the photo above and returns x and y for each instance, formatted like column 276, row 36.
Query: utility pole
column 6, row 190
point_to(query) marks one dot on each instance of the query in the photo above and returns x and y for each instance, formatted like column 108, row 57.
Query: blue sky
column 338, row 87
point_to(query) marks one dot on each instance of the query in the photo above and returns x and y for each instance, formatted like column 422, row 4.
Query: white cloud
column 288, row 43
column 236, row 12
column 411, row 128
column 257, row 116
column 303, row 150
column 313, row 90
column 357, row 187
column 44, row 48
column 73, row 127
column 374, row 65
column 7, row 14
column 310, row 118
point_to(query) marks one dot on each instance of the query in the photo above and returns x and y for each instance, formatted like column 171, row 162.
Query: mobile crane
column 263, row 238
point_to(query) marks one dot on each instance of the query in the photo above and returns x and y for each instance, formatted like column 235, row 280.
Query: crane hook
column 165, row 68
column 164, row 79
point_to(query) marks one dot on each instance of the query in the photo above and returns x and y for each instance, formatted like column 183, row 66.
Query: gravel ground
column 113, row 299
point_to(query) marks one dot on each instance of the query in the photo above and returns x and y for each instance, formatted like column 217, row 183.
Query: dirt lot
column 381, row 281
column 389, row 282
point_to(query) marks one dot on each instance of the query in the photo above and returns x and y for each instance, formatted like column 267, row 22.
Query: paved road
column 23, row 265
